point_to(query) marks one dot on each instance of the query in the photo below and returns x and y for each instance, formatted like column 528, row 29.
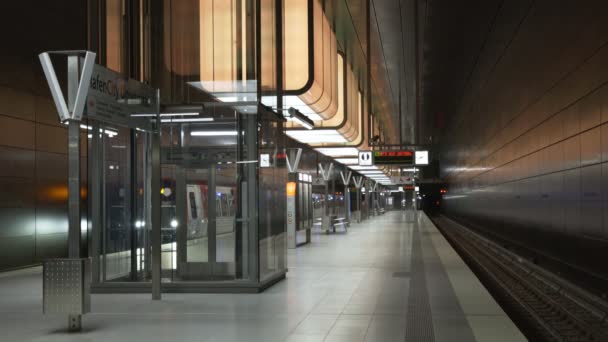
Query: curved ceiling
column 450, row 37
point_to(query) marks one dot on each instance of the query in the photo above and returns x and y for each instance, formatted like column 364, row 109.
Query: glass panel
column 123, row 234
column 271, row 199
column 116, row 241
column 211, row 52
column 168, row 219
column 140, row 210
column 203, row 240
column 226, row 196
column 197, row 198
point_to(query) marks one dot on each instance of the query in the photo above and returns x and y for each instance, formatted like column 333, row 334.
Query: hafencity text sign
column 114, row 98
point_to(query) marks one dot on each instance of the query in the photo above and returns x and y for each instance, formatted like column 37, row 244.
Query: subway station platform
column 391, row 278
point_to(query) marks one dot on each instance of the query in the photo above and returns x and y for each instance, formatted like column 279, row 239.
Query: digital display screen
column 393, row 157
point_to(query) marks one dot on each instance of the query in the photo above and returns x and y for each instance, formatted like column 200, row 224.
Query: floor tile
column 343, row 287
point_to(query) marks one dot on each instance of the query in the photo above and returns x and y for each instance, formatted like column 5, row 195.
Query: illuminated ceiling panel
column 348, row 161
column 319, row 136
column 348, row 120
column 338, row 151
column 310, row 62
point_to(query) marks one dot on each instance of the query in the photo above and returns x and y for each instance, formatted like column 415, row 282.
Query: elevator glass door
column 206, row 242
column 204, row 238
column 120, row 232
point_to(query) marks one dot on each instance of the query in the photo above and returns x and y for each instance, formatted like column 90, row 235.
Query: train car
column 197, row 204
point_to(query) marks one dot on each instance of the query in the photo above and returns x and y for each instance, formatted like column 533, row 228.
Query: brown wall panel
column 16, row 162
column 17, row 193
column 51, row 219
column 535, row 165
column 51, row 246
column 46, row 112
column 51, row 139
column 17, row 222
column 33, row 176
column 51, row 167
column 17, row 251
column 16, row 133
column 16, row 104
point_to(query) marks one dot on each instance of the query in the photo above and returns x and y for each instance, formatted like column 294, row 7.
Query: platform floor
column 390, row 278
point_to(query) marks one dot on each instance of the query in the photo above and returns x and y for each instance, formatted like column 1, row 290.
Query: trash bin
column 66, row 288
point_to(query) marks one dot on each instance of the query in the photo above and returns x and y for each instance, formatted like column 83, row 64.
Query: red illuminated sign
column 393, row 157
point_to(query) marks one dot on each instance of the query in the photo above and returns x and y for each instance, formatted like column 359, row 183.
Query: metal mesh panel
column 66, row 286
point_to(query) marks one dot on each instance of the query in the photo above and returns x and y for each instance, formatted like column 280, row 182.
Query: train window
column 193, row 211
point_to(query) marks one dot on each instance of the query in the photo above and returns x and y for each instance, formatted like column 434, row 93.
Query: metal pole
column 74, row 320
column 358, row 205
column 212, row 214
column 148, row 205
column 74, row 189
column 251, row 252
column 131, row 199
column 73, row 164
column 181, row 211
column 96, row 203
column 326, row 174
column 155, row 210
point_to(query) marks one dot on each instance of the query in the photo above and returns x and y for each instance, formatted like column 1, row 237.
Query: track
column 544, row 307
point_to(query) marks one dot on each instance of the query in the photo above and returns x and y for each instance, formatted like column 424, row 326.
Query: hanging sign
column 117, row 99
column 393, row 157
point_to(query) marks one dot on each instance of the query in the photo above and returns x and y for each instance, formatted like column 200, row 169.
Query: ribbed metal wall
column 33, row 144
column 527, row 154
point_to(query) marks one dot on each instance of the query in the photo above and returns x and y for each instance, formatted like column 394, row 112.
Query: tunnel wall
column 526, row 154
column 33, row 143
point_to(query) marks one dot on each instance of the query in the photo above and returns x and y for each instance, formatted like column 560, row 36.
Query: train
column 197, row 218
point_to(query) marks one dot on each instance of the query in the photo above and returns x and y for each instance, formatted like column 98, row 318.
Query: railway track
column 545, row 307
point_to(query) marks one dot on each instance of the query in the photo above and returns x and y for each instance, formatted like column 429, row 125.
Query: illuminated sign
column 290, row 189
column 264, row 160
column 365, row 158
column 393, row 157
column 280, row 160
column 422, row 157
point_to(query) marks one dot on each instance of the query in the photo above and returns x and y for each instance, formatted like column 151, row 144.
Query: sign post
column 293, row 160
column 291, row 214
column 346, row 182
column 326, row 173
column 70, row 111
column 107, row 97
column 358, row 181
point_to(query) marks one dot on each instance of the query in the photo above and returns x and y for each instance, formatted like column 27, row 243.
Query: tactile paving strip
column 419, row 325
